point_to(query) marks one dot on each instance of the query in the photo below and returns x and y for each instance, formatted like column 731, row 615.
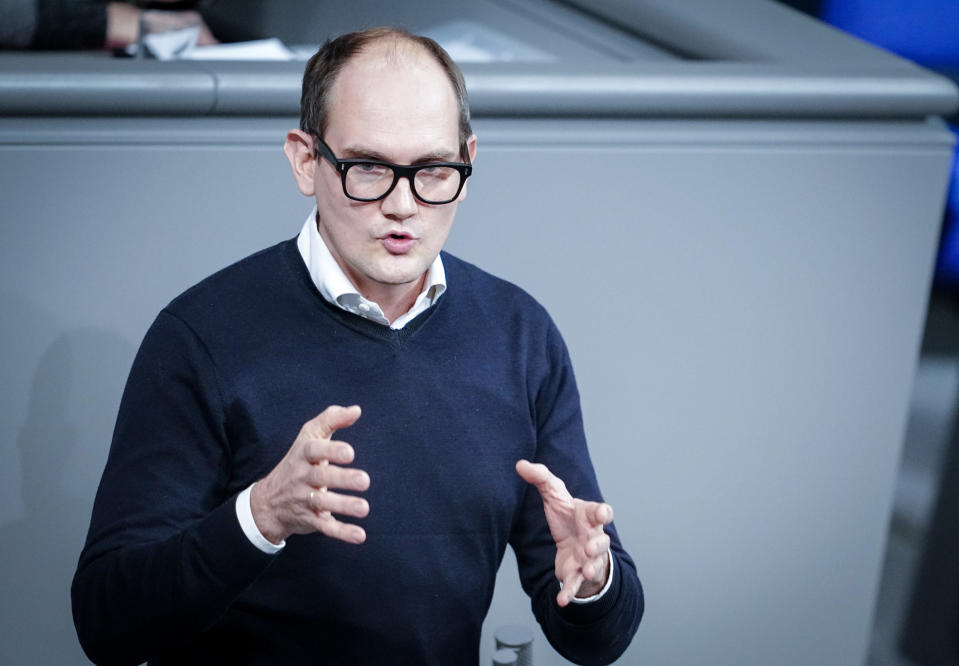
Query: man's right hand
column 297, row 496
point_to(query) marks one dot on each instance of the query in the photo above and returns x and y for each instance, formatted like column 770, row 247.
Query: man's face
column 403, row 110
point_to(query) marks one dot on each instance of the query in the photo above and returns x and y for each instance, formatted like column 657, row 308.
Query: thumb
column 534, row 473
column 550, row 486
column 331, row 419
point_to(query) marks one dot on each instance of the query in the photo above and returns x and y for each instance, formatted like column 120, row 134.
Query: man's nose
column 400, row 202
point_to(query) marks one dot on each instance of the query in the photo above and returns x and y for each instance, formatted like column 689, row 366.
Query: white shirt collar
column 337, row 289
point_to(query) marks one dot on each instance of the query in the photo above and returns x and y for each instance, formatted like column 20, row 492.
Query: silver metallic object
column 517, row 638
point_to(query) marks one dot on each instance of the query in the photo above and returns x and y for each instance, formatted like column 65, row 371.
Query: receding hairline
column 392, row 50
column 395, row 45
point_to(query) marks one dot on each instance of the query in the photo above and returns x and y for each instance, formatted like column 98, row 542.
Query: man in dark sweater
column 235, row 524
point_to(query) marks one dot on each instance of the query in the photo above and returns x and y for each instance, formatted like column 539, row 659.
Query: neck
column 394, row 299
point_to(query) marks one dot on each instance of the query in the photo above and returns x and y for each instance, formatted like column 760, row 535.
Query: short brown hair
column 323, row 68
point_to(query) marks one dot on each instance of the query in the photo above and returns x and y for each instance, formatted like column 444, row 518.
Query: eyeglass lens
column 433, row 184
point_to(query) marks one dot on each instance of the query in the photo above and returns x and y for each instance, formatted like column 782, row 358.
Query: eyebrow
column 359, row 152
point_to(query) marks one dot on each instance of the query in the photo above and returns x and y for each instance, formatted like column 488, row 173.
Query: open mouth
column 398, row 242
column 398, row 235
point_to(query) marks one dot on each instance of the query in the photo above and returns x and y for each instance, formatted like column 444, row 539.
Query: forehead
column 394, row 98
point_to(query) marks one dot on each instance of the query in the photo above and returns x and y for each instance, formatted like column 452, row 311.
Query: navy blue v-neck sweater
column 220, row 387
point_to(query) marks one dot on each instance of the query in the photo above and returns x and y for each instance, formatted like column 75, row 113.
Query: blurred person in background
column 53, row 25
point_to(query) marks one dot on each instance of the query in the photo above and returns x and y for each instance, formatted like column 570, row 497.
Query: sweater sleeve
column 600, row 631
column 165, row 555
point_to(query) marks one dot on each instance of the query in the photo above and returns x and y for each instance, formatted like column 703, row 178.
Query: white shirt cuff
column 244, row 513
column 609, row 582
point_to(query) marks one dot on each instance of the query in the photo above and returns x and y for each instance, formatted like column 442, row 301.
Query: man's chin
column 395, row 279
column 400, row 270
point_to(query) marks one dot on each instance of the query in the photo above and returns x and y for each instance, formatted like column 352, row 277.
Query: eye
column 369, row 169
column 435, row 172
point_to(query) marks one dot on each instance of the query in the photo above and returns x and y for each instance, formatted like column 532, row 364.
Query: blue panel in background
column 927, row 32
column 947, row 264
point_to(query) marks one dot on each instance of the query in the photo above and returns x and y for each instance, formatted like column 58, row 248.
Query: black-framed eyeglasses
column 371, row 180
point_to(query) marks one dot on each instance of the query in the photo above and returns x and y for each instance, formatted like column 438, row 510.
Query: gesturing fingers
column 334, row 529
column 324, row 504
column 324, row 501
column 581, row 572
column 325, row 475
column 594, row 570
column 296, row 498
column 577, row 527
column 322, row 450
column 571, row 586
column 598, row 513
column 597, row 545
column 331, row 419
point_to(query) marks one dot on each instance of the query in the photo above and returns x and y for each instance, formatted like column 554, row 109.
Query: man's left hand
column 582, row 546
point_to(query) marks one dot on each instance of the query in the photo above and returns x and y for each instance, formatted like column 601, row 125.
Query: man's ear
column 471, row 151
column 471, row 147
column 299, row 150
